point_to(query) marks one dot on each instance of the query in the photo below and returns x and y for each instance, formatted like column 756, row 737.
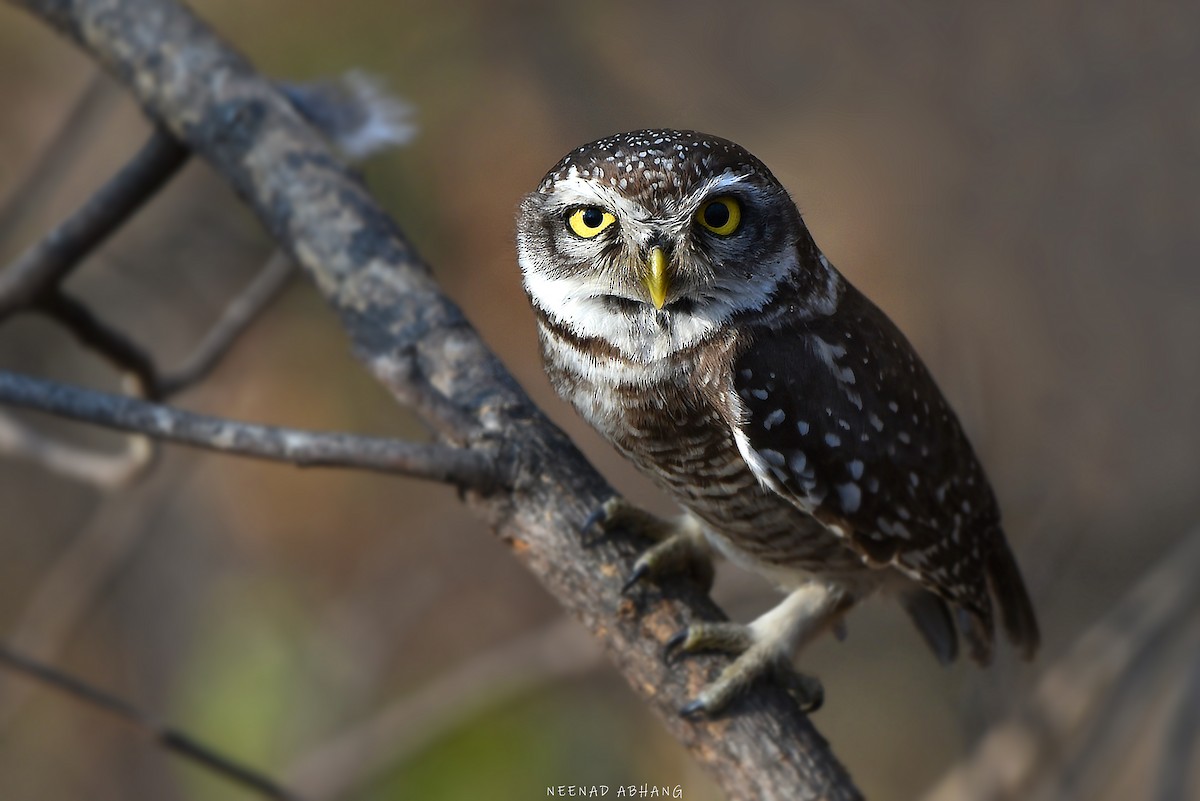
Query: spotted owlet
column 685, row 311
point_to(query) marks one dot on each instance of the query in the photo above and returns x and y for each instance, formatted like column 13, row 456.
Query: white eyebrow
column 577, row 190
column 714, row 185
column 574, row 190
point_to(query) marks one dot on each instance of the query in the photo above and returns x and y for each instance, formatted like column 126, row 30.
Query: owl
column 686, row 313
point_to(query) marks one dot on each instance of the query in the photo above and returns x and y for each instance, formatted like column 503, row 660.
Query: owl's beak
column 656, row 277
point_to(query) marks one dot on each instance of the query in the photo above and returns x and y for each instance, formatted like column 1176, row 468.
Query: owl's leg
column 766, row 646
column 680, row 545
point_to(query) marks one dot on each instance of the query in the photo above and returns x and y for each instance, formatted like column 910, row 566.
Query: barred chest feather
column 674, row 419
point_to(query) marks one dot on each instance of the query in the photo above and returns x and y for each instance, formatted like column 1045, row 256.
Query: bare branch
column 1182, row 746
column 103, row 470
column 97, row 335
column 237, row 317
column 1106, row 663
column 110, row 471
column 69, row 589
column 335, row 768
column 44, row 264
column 171, row 739
column 401, row 373
column 402, row 325
column 468, row 468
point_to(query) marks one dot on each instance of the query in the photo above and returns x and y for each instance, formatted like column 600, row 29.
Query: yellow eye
column 721, row 215
column 589, row 221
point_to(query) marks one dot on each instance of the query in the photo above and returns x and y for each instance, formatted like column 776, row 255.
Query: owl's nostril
column 658, row 242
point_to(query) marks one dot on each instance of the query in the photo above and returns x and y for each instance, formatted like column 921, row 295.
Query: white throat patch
column 645, row 335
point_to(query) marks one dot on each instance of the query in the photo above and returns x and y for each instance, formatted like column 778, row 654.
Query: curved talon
column 807, row 690
column 693, row 709
column 673, row 648
column 640, row 571
column 598, row 515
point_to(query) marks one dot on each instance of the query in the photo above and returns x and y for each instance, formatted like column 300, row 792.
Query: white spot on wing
column 772, row 457
column 829, row 354
column 850, row 496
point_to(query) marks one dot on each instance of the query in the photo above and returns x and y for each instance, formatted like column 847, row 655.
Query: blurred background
column 1015, row 184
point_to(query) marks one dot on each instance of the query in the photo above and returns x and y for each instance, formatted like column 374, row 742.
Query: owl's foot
column 685, row 552
column 618, row 514
column 806, row 690
column 764, row 648
column 725, row 637
column 757, row 658
column 681, row 548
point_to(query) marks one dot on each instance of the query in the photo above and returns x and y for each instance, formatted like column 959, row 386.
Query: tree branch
column 72, row 586
column 402, row 326
column 465, row 467
column 350, row 759
column 44, row 264
column 97, row 335
column 104, row 470
column 1182, row 740
column 129, row 357
column 171, row 739
column 1077, row 697
column 234, row 320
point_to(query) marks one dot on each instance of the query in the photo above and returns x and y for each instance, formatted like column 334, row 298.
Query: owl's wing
column 841, row 417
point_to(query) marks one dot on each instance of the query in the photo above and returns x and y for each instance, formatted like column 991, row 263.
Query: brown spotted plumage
column 687, row 314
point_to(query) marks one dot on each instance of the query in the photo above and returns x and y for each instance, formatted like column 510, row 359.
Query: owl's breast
column 663, row 417
column 656, row 413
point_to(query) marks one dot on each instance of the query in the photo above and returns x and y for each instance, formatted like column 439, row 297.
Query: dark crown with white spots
column 656, row 163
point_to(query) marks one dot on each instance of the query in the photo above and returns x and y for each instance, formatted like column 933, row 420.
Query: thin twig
column 236, row 318
column 69, row 589
column 111, row 471
column 1178, row 766
column 350, row 759
column 44, row 264
column 97, row 335
column 171, row 739
column 125, row 354
column 1071, row 694
column 103, row 470
column 139, row 376
column 128, row 356
column 436, row 462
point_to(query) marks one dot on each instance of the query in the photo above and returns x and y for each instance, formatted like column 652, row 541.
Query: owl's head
column 652, row 239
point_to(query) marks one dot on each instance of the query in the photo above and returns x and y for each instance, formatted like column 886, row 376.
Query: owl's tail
column 936, row 617
column 1016, row 610
column 932, row 617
